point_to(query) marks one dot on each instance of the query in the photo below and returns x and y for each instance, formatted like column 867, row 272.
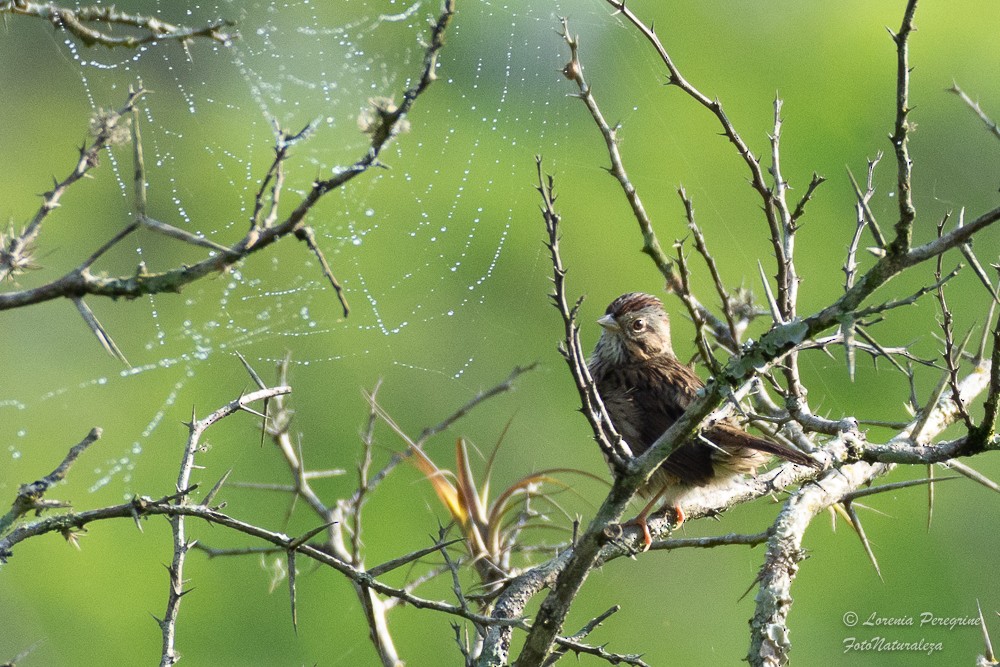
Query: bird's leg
column 641, row 519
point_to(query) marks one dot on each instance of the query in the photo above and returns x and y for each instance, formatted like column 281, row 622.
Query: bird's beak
column 609, row 323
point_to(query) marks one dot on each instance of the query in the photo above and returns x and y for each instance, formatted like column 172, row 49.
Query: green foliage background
column 834, row 66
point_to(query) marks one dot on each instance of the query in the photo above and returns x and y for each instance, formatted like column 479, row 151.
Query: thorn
column 136, row 518
column 215, row 489
column 194, row 420
column 253, row 374
column 291, row 590
column 756, row 580
column 257, row 413
column 305, row 537
column 974, row 475
column 859, row 529
column 990, row 656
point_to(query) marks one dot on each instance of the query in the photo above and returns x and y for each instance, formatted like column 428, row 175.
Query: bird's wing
column 661, row 398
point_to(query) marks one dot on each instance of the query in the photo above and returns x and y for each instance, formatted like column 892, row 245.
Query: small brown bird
column 646, row 389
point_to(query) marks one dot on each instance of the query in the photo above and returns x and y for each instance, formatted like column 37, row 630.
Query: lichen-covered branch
column 769, row 638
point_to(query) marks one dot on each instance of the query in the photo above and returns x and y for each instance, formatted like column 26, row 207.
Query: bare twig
column 357, row 501
column 574, row 72
column 151, row 29
column 863, row 313
column 991, row 126
column 976, row 265
column 865, row 215
column 702, row 247
column 800, row 208
column 574, row 644
column 701, row 340
column 900, row 135
column 306, row 235
column 788, row 281
column 710, row 542
column 30, row 496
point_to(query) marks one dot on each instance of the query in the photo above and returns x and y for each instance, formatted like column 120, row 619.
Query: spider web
column 421, row 247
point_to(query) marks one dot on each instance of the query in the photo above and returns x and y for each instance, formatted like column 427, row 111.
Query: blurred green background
column 443, row 261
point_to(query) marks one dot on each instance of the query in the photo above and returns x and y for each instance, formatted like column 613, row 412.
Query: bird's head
column 635, row 326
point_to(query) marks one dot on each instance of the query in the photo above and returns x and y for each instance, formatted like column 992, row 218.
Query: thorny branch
column 734, row 322
column 864, row 219
column 168, row 624
column 901, row 134
column 608, row 439
column 769, row 637
column 17, row 251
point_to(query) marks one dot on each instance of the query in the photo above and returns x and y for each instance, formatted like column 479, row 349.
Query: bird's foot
column 678, row 516
column 642, row 521
column 647, row 538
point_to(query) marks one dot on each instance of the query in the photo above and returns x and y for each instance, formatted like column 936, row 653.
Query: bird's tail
column 728, row 436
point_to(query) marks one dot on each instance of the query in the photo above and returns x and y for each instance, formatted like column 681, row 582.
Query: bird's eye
column 638, row 325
